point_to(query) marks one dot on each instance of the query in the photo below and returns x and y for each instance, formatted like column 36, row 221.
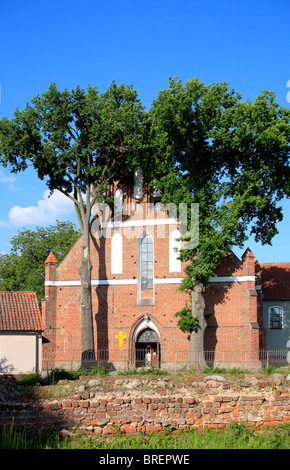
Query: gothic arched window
column 147, row 262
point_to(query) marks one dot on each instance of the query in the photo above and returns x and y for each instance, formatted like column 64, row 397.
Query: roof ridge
column 17, row 292
column 275, row 263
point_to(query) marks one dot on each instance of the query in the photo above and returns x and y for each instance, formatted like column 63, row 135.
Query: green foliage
column 229, row 157
column 11, row 438
column 16, row 438
column 222, row 370
column 55, row 375
column 23, row 268
column 98, row 369
column 30, row 380
column 270, row 370
column 81, row 143
column 236, row 436
column 187, row 322
column 78, row 141
column 143, row 371
column 200, row 144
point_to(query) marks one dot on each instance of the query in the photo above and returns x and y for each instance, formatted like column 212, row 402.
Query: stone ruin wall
column 103, row 405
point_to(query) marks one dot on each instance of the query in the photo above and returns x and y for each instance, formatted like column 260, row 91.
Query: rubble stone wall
column 131, row 405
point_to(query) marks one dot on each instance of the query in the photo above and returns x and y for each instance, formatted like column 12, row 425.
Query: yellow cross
column 120, row 337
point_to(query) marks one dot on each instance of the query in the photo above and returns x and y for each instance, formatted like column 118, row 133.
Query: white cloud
column 47, row 211
column 7, row 179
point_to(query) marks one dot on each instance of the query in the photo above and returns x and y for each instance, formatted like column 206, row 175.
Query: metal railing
column 275, row 357
column 126, row 359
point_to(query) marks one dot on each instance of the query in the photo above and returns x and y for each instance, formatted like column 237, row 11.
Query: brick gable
column 118, row 306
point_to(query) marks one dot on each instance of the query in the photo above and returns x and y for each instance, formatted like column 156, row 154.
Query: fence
column 126, row 359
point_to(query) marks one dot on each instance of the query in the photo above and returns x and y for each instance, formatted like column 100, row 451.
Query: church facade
column 135, row 280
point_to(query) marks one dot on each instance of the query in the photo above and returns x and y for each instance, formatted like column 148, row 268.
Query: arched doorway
column 147, row 348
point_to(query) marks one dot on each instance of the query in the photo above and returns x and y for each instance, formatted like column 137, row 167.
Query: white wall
column 20, row 353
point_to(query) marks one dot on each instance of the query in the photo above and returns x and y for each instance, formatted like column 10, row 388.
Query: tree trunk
column 196, row 358
column 85, row 302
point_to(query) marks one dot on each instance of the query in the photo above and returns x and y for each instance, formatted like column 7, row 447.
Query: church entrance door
column 147, row 349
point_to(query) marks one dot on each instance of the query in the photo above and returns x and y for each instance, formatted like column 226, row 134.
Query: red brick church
column 135, row 280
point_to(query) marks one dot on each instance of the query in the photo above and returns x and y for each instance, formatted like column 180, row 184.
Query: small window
column 138, row 183
column 156, row 192
column 118, row 201
column 275, row 318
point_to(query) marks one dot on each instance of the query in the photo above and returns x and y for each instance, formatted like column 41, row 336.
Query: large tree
column 23, row 268
column 232, row 159
column 79, row 143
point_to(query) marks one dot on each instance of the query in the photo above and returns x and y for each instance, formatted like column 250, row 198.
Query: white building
column 20, row 333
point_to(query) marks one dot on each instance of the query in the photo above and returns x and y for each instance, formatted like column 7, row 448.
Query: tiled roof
column 19, row 311
column 51, row 259
column 275, row 280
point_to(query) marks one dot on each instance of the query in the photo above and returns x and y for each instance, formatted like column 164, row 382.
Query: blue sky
column 245, row 43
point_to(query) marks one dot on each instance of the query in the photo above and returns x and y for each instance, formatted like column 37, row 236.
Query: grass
column 236, row 371
column 233, row 371
column 143, row 371
column 60, row 374
column 235, row 436
column 99, row 370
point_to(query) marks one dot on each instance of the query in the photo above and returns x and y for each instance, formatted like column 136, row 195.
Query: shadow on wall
column 6, row 368
column 25, row 410
column 101, row 316
column 218, row 294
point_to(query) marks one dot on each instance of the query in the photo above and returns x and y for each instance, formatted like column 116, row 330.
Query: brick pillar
column 49, row 314
column 249, row 269
column 248, row 259
column 260, row 307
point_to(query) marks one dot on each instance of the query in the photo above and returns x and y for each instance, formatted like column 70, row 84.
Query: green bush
column 30, row 379
column 60, row 374
column 219, row 370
